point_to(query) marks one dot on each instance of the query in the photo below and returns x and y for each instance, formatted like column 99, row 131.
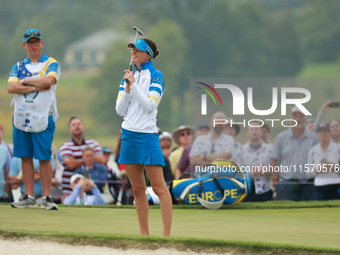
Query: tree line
column 196, row 38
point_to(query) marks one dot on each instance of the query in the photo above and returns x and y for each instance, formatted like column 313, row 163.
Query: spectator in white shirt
column 323, row 163
column 250, row 157
column 215, row 144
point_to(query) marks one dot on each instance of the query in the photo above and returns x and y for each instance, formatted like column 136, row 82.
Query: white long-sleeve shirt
column 75, row 199
column 139, row 108
column 315, row 156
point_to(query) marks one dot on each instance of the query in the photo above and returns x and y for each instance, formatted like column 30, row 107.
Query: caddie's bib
column 31, row 110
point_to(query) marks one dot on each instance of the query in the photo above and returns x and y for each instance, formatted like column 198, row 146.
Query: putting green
column 314, row 226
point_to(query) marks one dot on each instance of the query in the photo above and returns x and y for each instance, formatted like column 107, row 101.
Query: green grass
column 308, row 226
column 320, row 70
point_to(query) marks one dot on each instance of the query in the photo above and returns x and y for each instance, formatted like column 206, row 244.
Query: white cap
column 297, row 109
column 75, row 177
column 165, row 135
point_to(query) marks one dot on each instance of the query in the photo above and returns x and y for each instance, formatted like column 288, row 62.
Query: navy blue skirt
column 140, row 148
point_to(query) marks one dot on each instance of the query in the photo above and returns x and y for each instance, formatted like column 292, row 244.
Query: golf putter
column 138, row 31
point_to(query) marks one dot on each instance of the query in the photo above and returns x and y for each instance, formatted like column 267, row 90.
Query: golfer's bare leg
column 28, row 175
column 46, row 173
column 137, row 179
column 155, row 174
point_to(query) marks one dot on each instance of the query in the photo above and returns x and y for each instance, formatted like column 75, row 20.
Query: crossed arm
column 31, row 84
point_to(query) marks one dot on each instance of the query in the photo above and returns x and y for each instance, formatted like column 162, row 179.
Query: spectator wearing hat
column 182, row 137
column 33, row 82
column 183, row 166
column 206, row 148
column 201, row 129
column 323, row 162
column 91, row 169
column 321, row 116
column 334, row 124
column 84, row 192
column 290, row 151
column 2, row 142
column 106, row 156
column 57, row 177
column 165, row 140
column 113, row 181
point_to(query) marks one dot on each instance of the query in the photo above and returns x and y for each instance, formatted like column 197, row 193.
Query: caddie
column 33, row 82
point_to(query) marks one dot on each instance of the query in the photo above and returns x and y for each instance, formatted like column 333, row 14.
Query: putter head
column 138, row 30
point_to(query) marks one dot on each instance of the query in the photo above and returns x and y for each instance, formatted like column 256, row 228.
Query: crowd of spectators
column 86, row 173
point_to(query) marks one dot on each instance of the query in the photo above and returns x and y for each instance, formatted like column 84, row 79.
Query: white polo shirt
column 315, row 156
column 247, row 157
column 206, row 144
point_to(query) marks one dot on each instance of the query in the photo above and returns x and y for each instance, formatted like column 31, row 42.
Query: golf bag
column 221, row 183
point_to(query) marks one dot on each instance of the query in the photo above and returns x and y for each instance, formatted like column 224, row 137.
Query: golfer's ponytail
column 153, row 47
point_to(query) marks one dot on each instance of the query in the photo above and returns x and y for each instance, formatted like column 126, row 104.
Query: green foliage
column 196, row 38
column 235, row 40
column 172, row 45
column 320, row 70
column 286, row 59
column 318, row 26
column 107, row 87
column 60, row 21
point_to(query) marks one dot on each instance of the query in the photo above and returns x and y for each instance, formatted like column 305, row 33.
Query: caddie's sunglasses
column 33, row 42
column 31, row 34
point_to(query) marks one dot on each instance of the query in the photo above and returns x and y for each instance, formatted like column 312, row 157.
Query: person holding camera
column 323, row 162
column 333, row 124
column 322, row 112
column 97, row 171
column 84, row 192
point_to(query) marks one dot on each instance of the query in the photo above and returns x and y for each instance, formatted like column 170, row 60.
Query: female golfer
column 139, row 95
